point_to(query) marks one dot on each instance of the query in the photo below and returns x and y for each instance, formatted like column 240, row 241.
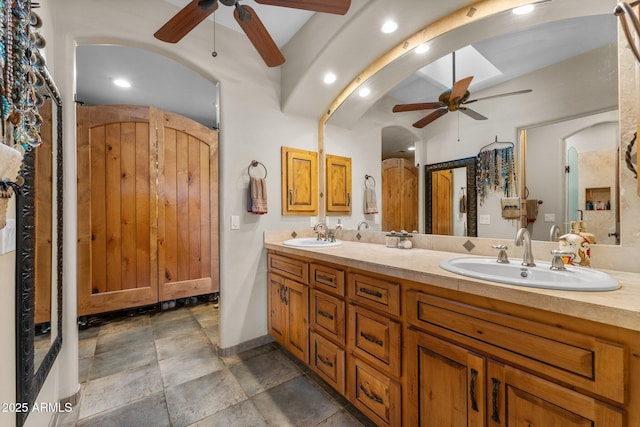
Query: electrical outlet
column 549, row 217
column 312, row 221
column 484, row 219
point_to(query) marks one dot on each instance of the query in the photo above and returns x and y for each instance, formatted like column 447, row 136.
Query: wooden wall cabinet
column 299, row 182
column 339, row 195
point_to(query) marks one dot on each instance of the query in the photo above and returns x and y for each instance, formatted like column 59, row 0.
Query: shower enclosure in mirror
column 39, row 254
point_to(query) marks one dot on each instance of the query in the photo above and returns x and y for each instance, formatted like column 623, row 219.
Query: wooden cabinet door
column 448, row 389
column 117, row 263
column 338, row 174
column 399, row 195
column 187, row 207
column 517, row 398
column 442, row 205
column 299, row 182
column 297, row 337
column 277, row 310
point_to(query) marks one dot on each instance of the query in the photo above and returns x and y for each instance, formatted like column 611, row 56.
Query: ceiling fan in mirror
column 198, row 10
column 454, row 99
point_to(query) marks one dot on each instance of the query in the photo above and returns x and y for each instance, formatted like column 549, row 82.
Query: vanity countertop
column 617, row 308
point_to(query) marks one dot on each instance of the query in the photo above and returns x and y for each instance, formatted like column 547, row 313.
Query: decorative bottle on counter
column 578, row 245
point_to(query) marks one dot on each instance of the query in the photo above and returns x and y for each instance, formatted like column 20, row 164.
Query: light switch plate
column 484, row 219
column 549, row 217
column 235, row 222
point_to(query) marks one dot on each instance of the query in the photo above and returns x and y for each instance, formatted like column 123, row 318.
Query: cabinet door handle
column 372, row 339
column 291, row 196
column 286, row 289
column 281, row 292
column 348, row 199
column 494, row 400
column 472, row 390
column 323, row 314
column 372, row 293
column 325, row 361
column 325, row 278
column 370, row 395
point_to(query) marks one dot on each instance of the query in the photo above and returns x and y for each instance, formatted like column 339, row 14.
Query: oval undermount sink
column 310, row 242
column 540, row 276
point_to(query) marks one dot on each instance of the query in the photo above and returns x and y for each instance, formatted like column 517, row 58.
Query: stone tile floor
column 161, row 369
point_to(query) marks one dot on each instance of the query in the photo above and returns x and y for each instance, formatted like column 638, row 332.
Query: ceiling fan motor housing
column 453, row 104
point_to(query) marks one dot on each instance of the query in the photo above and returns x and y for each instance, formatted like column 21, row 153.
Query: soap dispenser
column 578, row 245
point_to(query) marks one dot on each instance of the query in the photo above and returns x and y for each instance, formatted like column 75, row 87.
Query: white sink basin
column 540, row 276
column 310, row 242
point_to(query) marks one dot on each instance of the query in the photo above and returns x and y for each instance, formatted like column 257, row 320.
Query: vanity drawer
column 376, row 293
column 328, row 279
column 328, row 361
column 292, row 268
column 376, row 339
column 584, row 361
column 328, row 315
column 375, row 394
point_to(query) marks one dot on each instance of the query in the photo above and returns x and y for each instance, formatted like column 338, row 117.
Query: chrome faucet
column 365, row 223
column 323, row 234
column 523, row 237
column 554, row 233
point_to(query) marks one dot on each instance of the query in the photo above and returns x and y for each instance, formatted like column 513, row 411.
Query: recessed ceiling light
column 420, row 49
column 523, row 10
column 389, row 27
column 329, row 78
column 364, row 92
column 121, row 83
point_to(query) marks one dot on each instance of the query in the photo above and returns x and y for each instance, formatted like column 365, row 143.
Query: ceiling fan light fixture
column 389, row 27
column 422, row 48
column 329, row 78
column 523, row 10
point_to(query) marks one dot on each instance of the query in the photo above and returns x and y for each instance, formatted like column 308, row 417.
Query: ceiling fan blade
column 471, row 113
column 339, row 7
column 460, row 88
column 260, row 37
column 518, row 92
column 184, row 21
column 431, row 117
column 420, row 106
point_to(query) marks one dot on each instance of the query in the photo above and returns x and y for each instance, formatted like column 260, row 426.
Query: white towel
column 370, row 203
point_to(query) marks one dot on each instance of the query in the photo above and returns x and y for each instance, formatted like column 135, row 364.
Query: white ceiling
column 188, row 93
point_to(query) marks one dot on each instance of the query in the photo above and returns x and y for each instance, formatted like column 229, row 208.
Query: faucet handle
column 557, row 264
column 502, row 255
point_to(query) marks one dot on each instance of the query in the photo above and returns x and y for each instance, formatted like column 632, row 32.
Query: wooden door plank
column 97, row 207
column 194, row 209
column 205, row 211
column 169, row 263
column 113, row 220
column 128, row 204
column 143, row 179
column 182, row 203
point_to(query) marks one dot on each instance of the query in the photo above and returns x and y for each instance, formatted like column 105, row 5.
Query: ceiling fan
column 198, row 10
column 453, row 99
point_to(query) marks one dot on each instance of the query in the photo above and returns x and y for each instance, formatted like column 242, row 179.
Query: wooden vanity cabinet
column 338, row 189
column 288, row 305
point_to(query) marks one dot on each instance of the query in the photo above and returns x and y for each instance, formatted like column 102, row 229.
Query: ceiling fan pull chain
column 214, row 53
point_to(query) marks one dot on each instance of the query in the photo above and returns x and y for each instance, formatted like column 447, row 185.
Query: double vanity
column 409, row 342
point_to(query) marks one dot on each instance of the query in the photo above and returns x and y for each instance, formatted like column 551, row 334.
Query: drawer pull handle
column 369, row 395
column 472, row 390
column 372, row 293
column 323, row 314
column 371, row 339
column 325, row 361
column 494, row 400
column 325, row 278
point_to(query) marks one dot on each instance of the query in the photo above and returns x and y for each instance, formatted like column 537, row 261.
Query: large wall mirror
column 39, row 253
column 552, row 73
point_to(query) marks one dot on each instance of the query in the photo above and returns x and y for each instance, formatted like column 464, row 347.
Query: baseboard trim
column 244, row 346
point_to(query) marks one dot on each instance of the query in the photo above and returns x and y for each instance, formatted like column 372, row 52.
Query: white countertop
column 618, row 308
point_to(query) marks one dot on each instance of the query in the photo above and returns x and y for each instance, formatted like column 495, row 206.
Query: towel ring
column 254, row 164
column 366, row 177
